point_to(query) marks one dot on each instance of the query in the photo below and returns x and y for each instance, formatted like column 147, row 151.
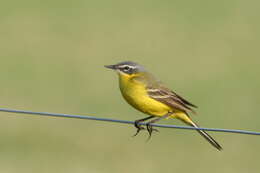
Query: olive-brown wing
column 170, row 98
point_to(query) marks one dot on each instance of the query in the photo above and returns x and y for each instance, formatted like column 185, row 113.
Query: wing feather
column 170, row 98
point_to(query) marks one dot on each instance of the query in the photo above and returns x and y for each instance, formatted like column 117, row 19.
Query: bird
column 149, row 95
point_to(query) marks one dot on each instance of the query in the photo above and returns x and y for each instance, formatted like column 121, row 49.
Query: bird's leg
column 149, row 127
column 138, row 126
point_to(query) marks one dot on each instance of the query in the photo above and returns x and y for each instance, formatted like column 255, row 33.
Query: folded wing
column 170, row 98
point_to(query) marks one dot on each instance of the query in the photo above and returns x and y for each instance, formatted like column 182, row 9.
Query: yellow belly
column 135, row 94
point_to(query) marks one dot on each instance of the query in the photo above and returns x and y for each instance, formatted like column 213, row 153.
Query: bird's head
column 127, row 68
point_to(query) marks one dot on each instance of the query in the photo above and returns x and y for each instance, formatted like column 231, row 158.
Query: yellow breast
column 135, row 94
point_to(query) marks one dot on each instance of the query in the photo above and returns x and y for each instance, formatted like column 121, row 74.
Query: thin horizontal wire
column 125, row 121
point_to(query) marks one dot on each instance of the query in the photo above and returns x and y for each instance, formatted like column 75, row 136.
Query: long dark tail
column 185, row 118
column 212, row 141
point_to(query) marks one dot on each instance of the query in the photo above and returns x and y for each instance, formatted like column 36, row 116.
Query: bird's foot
column 138, row 127
column 150, row 130
column 138, row 130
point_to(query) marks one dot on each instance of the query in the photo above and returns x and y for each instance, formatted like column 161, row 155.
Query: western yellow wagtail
column 148, row 95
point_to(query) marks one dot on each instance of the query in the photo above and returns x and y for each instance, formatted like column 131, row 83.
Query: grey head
column 127, row 67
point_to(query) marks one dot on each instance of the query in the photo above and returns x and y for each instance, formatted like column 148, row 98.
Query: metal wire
column 125, row 121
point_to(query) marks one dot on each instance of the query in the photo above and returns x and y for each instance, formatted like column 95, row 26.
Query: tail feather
column 185, row 118
column 212, row 141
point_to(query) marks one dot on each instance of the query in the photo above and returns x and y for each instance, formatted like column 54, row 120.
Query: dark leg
column 149, row 127
column 138, row 126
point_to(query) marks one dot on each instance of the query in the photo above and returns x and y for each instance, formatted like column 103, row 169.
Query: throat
column 131, row 87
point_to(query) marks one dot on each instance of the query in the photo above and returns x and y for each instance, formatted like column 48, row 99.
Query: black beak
column 113, row 67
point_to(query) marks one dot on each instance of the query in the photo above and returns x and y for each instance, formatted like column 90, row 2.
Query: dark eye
column 126, row 68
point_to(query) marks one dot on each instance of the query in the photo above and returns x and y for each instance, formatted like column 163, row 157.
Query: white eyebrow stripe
column 122, row 66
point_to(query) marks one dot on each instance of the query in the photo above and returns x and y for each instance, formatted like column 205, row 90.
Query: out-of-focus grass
column 52, row 56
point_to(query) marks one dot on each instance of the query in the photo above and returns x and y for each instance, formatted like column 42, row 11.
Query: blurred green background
column 52, row 56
